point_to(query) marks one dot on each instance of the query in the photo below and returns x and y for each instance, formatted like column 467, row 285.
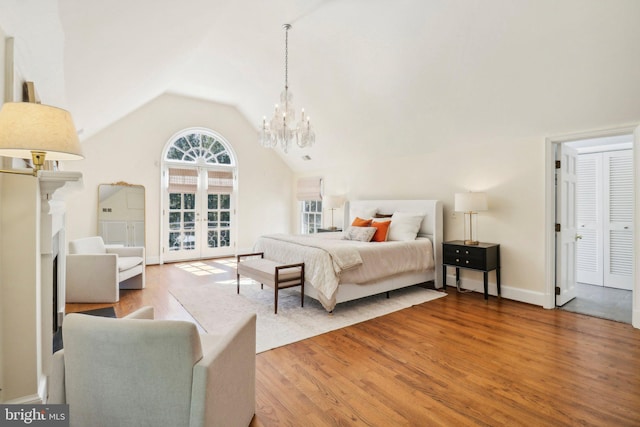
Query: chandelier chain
column 286, row 56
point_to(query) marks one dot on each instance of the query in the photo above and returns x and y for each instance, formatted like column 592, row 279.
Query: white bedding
column 329, row 260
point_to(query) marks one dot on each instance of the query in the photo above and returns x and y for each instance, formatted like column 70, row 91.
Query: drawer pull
column 466, row 252
column 467, row 262
column 457, row 259
column 457, row 251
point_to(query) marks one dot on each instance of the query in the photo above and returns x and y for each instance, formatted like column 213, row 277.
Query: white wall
column 512, row 174
column 130, row 150
column 38, row 47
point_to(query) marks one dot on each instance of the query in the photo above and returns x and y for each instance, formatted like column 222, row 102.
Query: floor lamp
column 470, row 203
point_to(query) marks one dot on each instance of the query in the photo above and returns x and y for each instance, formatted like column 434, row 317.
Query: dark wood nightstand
column 484, row 257
column 327, row 230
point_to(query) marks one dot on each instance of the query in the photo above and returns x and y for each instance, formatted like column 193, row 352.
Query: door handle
column 578, row 236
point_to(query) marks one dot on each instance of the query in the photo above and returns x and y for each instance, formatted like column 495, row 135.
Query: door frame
column 165, row 164
column 550, row 209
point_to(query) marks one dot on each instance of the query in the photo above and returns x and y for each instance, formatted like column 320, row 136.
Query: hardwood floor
column 455, row 361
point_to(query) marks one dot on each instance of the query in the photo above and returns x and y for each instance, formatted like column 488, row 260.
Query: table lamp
column 332, row 203
column 470, row 203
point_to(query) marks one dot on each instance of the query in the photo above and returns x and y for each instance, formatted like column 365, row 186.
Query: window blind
column 219, row 182
column 182, row 180
column 309, row 188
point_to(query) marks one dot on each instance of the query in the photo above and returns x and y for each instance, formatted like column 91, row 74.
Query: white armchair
column 136, row 372
column 96, row 273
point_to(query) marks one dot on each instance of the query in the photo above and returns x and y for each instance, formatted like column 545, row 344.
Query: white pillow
column 405, row 226
column 361, row 234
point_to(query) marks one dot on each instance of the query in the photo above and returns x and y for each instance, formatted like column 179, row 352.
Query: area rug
column 216, row 307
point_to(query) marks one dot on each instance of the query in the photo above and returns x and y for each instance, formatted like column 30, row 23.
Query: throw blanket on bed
column 324, row 260
column 342, row 256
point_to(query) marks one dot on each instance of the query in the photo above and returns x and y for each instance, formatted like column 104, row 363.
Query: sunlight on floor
column 199, row 268
column 231, row 262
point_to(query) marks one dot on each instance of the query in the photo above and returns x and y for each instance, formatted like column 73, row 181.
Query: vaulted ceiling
column 376, row 76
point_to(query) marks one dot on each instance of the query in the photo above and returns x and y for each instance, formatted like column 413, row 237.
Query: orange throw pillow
column 359, row 222
column 381, row 232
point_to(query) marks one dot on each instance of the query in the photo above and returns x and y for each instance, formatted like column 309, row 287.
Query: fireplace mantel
column 32, row 236
column 57, row 184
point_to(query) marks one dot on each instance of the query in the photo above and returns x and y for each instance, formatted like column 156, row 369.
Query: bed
column 338, row 270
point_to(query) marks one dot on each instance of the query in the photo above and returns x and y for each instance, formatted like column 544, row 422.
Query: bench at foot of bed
column 271, row 273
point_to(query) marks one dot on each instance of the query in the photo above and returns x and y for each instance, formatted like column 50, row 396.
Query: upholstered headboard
column 431, row 208
column 431, row 227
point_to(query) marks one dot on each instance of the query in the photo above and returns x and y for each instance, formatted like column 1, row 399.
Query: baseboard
column 509, row 292
column 33, row 399
column 152, row 260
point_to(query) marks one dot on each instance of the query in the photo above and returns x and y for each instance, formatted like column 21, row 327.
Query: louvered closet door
column 590, row 219
column 618, row 243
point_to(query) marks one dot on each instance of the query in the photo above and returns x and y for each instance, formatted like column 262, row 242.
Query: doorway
column 603, row 229
column 199, row 176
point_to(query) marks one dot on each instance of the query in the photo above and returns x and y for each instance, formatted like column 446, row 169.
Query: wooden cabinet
column 484, row 257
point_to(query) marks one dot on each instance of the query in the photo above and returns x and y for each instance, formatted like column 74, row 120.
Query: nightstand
column 483, row 257
column 327, row 230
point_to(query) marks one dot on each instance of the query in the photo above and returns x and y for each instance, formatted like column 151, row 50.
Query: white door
column 618, row 221
column 216, row 224
column 589, row 205
column 198, row 214
column 180, row 226
column 566, row 220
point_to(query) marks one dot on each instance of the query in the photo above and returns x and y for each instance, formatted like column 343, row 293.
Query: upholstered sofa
column 140, row 372
column 96, row 273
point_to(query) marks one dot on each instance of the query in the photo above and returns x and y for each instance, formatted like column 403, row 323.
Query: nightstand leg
column 444, row 278
column 498, row 281
column 486, row 286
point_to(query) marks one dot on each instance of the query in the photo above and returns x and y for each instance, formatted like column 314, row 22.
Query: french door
column 198, row 214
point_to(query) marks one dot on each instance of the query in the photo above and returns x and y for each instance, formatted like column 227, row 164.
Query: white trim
column 152, row 260
column 32, row 399
column 508, row 292
column 549, row 293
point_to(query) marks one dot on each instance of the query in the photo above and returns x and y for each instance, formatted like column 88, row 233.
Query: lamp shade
column 471, row 202
column 26, row 127
column 332, row 202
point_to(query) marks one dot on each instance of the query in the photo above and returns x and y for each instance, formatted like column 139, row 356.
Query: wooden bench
column 271, row 273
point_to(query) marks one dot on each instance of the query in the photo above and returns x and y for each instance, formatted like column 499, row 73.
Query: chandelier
column 282, row 129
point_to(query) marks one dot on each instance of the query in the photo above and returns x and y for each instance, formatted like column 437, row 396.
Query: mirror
column 121, row 214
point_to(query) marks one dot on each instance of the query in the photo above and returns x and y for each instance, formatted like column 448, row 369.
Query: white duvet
column 329, row 260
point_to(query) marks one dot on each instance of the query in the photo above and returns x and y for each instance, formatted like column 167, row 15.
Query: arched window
column 199, row 176
column 199, row 146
